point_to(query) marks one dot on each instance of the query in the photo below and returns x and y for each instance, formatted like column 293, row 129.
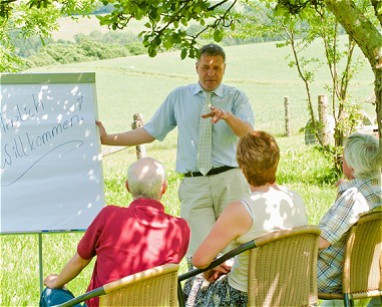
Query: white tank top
column 278, row 208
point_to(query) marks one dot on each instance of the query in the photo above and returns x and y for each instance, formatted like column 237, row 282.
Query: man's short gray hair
column 363, row 155
column 145, row 178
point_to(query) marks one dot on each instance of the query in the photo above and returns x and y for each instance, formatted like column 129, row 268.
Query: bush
column 42, row 59
column 96, row 46
column 311, row 166
column 120, row 38
column 136, row 48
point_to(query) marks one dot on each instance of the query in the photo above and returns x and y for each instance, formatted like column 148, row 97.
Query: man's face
column 210, row 70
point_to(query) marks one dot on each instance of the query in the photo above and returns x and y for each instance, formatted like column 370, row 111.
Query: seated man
column 358, row 195
column 125, row 240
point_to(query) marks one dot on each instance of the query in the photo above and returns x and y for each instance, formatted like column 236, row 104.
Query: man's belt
column 213, row 171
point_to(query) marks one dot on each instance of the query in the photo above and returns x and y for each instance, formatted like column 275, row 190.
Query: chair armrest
column 242, row 248
column 81, row 298
column 257, row 242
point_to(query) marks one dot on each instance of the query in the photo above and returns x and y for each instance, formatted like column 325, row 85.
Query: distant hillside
column 68, row 27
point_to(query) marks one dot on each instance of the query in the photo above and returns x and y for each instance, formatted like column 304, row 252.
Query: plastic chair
column 153, row 287
column 362, row 267
column 282, row 268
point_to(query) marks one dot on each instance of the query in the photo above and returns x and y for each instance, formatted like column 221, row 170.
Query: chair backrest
column 363, row 257
column 153, row 287
column 283, row 268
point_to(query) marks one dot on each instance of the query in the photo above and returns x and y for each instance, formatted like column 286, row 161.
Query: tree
column 32, row 18
column 299, row 32
column 167, row 23
column 346, row 115
column 362, row 28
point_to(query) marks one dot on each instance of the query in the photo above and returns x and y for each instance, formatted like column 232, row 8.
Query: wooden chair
column 153, row 287
column 282, row 268
column 362, row 267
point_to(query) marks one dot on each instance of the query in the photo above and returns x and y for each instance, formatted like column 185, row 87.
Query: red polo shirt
column 130, row 240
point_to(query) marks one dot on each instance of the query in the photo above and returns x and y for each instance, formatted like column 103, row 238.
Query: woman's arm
column 233, row 222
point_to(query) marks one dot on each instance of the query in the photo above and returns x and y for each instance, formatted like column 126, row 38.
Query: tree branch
column 359, row 27
column 377, row 10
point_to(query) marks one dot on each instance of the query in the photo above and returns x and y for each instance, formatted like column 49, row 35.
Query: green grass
column 138, row 85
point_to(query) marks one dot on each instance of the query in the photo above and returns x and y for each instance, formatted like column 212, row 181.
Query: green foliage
column 296, row 7
column 95, row 46
column 351, row 119
column 300, row 30
column 9, row 61
column 119, row 38
column 31, row 18
column 42, row 59
column 30, row 46
column 136, row 49
column 167, row 22
column 318, row 170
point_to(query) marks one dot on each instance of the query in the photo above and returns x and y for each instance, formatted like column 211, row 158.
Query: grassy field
column 138, row 85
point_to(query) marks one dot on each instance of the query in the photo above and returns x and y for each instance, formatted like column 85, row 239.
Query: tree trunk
column 368, row 39
column 378, row 101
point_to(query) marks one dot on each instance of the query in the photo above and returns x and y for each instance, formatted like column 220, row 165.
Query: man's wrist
column 226, row 115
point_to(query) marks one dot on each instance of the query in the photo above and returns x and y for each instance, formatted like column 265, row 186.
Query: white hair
column 145, row 178
column 363, row 155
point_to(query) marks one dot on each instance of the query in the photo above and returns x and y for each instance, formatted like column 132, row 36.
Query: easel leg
column 40, row 261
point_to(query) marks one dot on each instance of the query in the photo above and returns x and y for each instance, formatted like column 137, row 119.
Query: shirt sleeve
column 88, row 244
column 184, row 237
column 163, row 120
column 243, row 108
column 344, row 213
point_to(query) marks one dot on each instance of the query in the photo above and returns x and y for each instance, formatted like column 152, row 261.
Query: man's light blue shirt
column 183, row 107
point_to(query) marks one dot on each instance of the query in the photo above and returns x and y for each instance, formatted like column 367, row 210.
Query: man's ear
column 127, row 186
column 164, row 187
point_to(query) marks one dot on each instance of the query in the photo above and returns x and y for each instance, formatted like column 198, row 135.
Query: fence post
column 138, row 123
column 323, row 119
column 286, row 106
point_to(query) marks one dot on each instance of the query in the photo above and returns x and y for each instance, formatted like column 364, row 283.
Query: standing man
column 124, row 240
column 212, row 178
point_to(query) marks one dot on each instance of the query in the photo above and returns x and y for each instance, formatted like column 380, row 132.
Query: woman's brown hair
column 258, row 156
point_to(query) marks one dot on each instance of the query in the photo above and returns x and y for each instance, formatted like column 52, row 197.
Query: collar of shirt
column 356, row 183
column 219, row 91
column 147, row 202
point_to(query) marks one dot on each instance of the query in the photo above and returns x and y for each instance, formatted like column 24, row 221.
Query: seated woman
column 359, row 194
column 270, row 207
